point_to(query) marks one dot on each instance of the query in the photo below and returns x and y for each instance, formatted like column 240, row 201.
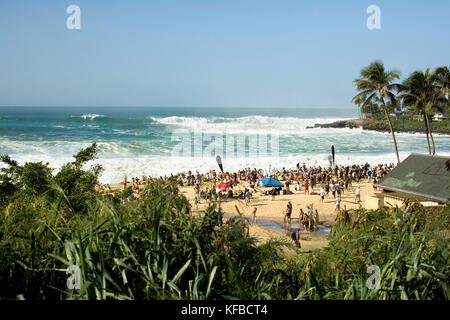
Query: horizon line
column 126, row 106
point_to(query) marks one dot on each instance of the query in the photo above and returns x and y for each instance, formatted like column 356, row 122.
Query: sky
column 210, row 53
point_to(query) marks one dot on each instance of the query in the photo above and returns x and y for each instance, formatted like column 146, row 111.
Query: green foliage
column 77, row 183
column 85, row 155
column 376, row 87
column 401, row 243
column 372, row 109
column 442, row 81
column 148, row 249
column 422, row 92
column 409, row 124
column 35, row 180
column 24, row 182
column 156, row 248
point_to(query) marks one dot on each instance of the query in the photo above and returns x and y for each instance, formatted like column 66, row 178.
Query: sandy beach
column 273, row 209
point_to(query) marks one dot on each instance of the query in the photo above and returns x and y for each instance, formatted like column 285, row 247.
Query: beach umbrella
column 222, row 186
column 219, row 162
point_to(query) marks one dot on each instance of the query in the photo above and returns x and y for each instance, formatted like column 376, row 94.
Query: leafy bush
column 156, row 248
column 400, row 243
column 77, row 183
column 152, row 248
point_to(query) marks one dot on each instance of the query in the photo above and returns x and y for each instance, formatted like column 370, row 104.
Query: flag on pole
column 332, row 153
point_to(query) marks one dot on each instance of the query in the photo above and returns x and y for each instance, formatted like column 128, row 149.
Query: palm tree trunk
column 392, row 130
column 427, row 130
column 431, row 135
column 432, row 142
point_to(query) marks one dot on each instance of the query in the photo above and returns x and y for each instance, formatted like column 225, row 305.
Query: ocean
column 158, row 141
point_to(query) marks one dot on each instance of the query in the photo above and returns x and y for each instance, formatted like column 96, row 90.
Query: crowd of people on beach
column 331, row 182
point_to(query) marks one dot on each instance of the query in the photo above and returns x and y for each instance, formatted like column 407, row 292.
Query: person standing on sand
column 333, row 189
column 254, row 216
column 125, row 182
column 357, row 194
column 338, row 204
column 316, row 219
column 322, row 194
column 305, row 221
column 300, row 217
column 246, row 195
column 309, row 216
column 288, row 212
column 197, row 194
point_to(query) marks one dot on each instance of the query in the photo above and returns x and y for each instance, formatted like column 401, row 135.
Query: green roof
column 420, row 175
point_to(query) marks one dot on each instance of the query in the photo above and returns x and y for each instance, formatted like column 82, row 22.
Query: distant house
column 419, row 177
column 438, row 117
column 418, row 117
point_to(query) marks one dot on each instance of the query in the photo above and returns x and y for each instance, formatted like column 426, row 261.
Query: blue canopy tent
column 270, row 182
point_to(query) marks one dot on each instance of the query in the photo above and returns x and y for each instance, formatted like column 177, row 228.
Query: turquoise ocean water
column 144, row 141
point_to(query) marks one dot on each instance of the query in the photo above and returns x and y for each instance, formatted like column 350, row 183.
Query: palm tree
column 442, row 81
column 375, row 87
column 421, row 94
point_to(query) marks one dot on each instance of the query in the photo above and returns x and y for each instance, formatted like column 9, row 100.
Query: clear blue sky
column 229, row 53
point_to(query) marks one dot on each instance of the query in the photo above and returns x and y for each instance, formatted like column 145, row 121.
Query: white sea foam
column 157, row 166
column 249, row 124
column 89, row 116
column 137, row 166
column 121, row 155
column 129, row 146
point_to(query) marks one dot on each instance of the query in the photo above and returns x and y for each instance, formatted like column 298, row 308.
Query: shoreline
column 366, row 124
column 272, row 210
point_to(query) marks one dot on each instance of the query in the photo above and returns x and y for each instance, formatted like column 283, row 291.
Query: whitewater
column 144, row 141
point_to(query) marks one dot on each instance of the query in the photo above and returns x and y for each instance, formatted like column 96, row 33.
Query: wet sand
column 274, row 210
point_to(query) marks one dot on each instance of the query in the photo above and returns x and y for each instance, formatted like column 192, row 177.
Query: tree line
column 423, row 92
